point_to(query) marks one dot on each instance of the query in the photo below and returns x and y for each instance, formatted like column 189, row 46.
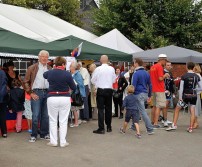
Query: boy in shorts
column 130, row 103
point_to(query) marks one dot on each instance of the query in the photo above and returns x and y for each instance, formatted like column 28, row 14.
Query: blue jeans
column 40, row 113
column 141, row 99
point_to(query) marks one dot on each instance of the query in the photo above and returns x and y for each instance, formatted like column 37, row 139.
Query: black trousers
column 118, row 104
column 89, row 106
column 104, row 105
column 3, row 110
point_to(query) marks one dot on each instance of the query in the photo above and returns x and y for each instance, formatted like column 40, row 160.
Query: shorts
column 150, row 104
column 134, row 114
column 159, row 99
column 191, row 101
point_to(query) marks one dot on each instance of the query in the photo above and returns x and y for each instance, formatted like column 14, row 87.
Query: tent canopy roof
column 38, row 25
column 90, row 50
column 117, row 41
column 14, row 43
column 174, row 53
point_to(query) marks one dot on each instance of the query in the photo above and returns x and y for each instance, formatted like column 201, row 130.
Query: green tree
column 64, row 9
column 152, row 23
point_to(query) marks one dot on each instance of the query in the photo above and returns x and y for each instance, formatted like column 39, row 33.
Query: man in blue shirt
column 141, row 82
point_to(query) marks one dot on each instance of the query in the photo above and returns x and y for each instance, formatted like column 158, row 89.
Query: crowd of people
column 44, row 96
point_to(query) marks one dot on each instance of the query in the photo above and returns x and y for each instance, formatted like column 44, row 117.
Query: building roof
column 38, row 25
column 175, row 54
column 116, row 40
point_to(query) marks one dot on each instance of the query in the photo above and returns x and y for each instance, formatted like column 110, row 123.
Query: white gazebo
column 38, row 25
column 117, row 41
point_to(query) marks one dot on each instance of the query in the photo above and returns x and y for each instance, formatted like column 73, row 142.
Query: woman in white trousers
column 58, row 101
column 58, row 106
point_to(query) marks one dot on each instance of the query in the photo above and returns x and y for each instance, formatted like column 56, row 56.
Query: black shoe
column 4, row 135
column 114, row 115
column 98, row 131
column 109, row 129
column 18, row 131
column 121, row 117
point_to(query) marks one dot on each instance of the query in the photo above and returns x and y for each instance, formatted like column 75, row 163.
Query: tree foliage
column 152, row 23
column 64, row 9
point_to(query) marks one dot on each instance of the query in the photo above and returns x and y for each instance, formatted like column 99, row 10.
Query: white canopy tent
column 116, row 40
column 174, row 53
column 38, row 25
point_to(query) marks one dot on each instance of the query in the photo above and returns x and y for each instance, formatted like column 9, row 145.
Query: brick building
column 178, row 70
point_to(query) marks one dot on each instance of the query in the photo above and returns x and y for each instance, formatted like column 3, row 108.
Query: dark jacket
column 122, row 83
column 59, row 81
column 3, row 86
column 9, row 83
column 130, row 102
column 17, row 99
column 169, row 82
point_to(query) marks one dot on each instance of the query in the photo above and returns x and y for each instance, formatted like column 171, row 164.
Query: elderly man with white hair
column 36, row 85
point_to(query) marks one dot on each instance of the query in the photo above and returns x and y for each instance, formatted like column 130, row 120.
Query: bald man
column 103, row 77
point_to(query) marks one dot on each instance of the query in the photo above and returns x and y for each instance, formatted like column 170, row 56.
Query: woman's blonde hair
column 92, row 67
column 130, row 89
column 197, row 68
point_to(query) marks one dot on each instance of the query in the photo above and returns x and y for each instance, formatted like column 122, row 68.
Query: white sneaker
column 71, row 125
column 169, row 122
column 172, row 127
column 64, row 145
column 32, row 139
column 165, row 124
column 52, row 145
column 79, row 121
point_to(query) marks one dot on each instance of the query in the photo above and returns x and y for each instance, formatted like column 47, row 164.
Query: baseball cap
column 162, row 56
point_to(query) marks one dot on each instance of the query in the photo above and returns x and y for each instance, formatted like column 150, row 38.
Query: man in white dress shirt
column 103, row 78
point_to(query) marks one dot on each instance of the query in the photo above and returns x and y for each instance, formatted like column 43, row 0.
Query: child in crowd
column 131, row 111
column 16, row 103
column 28, row 112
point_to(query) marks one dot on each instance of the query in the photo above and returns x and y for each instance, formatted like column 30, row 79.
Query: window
column 22, row 65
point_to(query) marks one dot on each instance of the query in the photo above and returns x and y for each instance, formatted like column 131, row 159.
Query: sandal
column 196, row 126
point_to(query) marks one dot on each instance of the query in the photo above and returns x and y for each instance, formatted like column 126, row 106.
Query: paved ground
column 164, row 149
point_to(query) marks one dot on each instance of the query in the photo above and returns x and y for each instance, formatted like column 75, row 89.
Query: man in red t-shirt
column 158, row 87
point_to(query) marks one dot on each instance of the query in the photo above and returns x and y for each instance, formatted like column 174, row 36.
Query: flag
column 77, row 51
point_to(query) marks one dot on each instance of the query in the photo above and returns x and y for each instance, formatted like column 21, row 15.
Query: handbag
column 77, row 99
column 116, row 94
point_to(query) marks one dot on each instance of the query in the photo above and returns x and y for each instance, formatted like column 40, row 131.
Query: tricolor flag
column 77, row 51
